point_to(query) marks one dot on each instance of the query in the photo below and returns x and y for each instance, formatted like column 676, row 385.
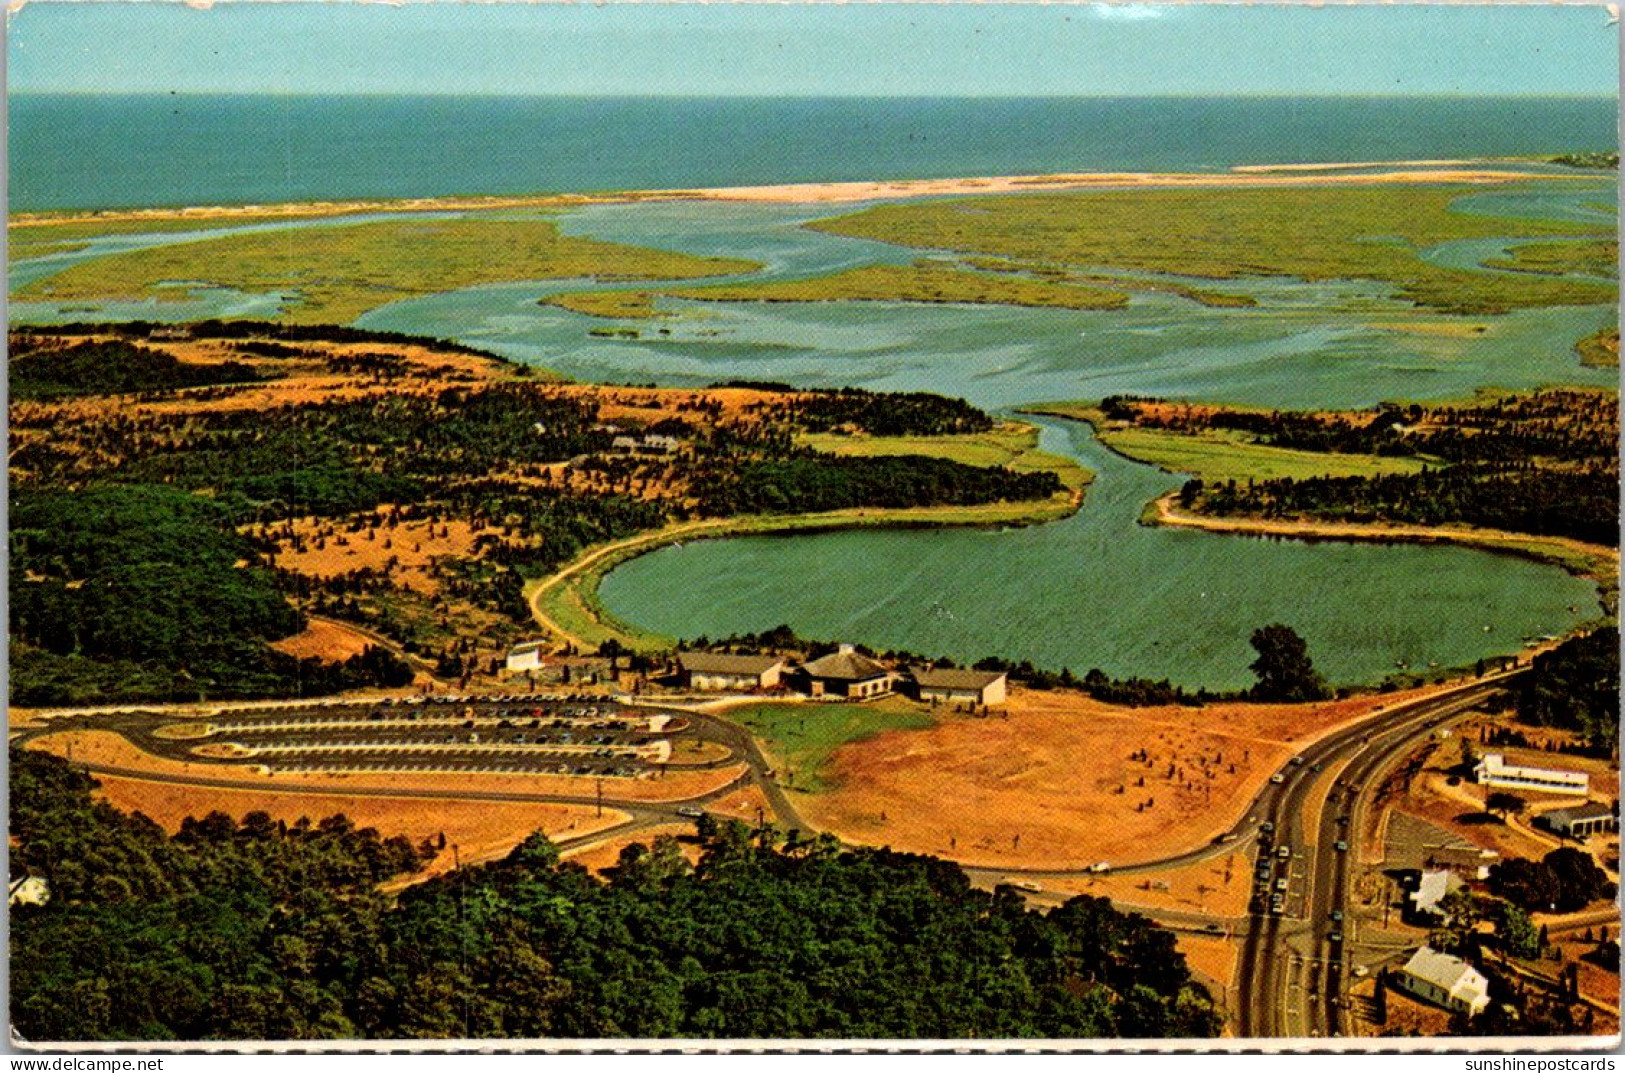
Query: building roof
column 526, row 648
column 954, row 678
column 846, row 665
column 724, row 663
column 1494, row 764
column 1434, row 886
column 1591, row 810
column 1449, row 974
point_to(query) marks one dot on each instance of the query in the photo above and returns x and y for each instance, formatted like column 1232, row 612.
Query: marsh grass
column 339, row 272
column 1308, row 232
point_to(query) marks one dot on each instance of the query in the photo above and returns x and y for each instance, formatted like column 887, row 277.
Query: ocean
column 94, row 152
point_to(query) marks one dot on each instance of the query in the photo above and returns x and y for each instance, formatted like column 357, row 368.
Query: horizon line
column 14, row 92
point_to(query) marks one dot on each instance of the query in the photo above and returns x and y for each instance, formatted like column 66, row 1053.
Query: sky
column 850, row 49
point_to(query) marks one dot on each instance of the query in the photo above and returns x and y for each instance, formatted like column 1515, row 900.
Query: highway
column 1292, row 971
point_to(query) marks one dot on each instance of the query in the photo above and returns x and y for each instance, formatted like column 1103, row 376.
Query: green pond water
column 1098, row 589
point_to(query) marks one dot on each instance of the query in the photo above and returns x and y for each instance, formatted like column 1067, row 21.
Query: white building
column 526, row 657
column 1432, row 890
column 1444, row 981
column 1493, row 770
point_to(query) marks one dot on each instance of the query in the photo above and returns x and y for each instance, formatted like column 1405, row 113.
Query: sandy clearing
column 103, row 748
column 1209, row 955
column 481, row 830
column 601, row 855
column 1219, row 886
column 1055, row 782
column 1045, row 786
column 404, row 552
column 326, row 640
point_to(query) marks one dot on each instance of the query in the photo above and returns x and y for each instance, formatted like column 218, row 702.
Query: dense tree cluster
column 40, row 369
column 1581, row 504
column 1575, row 687
column 263, row 930
column 1564, row 881
column 264, row 329
column 223, row 931
column 139, row 592
column 815, row 482
column 914, row 413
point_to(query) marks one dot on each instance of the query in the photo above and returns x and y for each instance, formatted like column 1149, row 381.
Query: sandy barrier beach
column 833, row 192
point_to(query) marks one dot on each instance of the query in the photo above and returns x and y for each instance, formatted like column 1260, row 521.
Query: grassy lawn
column 1218, row 456
column 1012, row 444
column 1309, row 232
column 801, row 737
column 340, row 272
column 1558, row 258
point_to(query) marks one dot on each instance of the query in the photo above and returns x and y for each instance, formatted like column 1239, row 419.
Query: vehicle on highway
column 1281, row 885
column 1342, row 847
column 1335, row 937
column 1337, row 914
column 1100, row 866
column 1027, row 885
column 1214, row 929
column 1277, row 904
column 1266, row 827
column 1297, row 760
column 1284, row 852
column 691, row 812
column 1278, row 777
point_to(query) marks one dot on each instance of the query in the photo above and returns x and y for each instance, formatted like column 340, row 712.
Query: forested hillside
column 261, row 930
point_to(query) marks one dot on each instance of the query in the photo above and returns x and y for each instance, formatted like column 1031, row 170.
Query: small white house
column 29, row 890
column 526, row 657
column 1493, row 770
column 1432, row 890
column 1444, row 981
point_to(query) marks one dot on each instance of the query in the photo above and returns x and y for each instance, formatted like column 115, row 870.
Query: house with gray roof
column 1578, row 821
column 721, row 672
column 951, row 685
column 848, row 673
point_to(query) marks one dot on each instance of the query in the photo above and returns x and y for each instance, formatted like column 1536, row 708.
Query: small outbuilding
column 945, row 685
column 719, row 672
column 526, row 657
